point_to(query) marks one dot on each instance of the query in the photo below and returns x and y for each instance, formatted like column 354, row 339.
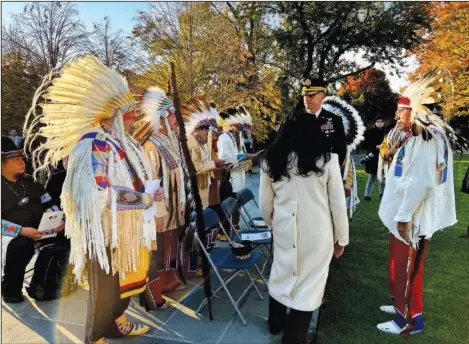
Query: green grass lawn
column 358, row 282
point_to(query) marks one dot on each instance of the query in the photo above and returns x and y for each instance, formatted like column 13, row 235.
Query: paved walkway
column 62, row 321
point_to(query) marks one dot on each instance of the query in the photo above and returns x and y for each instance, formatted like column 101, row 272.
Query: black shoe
column 380, row 196
column 367, row 198
column 13, row 299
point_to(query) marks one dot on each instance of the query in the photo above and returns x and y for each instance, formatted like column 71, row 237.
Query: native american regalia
column 214, row 188
column 420, row 190
column 197, row 113
column 162, row 153
column 231, row 144
column 354, row 129
column 103, row 194
column 391, row 142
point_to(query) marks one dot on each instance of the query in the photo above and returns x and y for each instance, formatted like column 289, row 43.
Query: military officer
column 313, row 92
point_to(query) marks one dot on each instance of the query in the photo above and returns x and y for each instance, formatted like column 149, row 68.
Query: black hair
column 301, row 134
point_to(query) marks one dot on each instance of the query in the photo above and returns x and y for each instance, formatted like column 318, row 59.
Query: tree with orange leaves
column 371, row 94
column 447, row 46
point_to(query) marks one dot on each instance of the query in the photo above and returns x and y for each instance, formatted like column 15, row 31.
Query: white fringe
column 111, row 172
column 88, row 225
column 354, row 200
column 346, row 167
column 83, row 209
column 136, row 156
column 182, row 191
column 165, row 181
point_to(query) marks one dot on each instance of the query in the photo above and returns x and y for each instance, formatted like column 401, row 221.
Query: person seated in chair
column 24, row 201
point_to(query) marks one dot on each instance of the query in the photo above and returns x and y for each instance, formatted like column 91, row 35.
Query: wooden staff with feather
column 195, row 188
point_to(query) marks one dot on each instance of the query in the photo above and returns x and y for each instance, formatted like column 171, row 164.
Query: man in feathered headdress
column 157, row 134
column 418, row 200
column 201, row 126
column 202, row 129
column 214, row 189
column 231, row 144
column 87, row 110
column 231, row 148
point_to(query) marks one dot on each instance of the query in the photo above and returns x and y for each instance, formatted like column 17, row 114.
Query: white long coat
column 307, row 215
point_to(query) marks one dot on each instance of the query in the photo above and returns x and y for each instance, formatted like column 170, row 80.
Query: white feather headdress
column 197, row 112
column 239, row 117
column 435, row 88
column 155, row 106
column 82, row 94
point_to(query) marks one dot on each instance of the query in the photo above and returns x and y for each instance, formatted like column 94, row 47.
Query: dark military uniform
column 333, row 128
column 20, row 249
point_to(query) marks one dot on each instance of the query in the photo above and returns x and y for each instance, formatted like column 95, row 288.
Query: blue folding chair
column 223, row 258
column 229, row 207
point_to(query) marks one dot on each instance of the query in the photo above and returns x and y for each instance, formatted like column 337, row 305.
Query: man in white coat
column 231, row 145
column 231, row 149
column 303, row 200
column 417, row 202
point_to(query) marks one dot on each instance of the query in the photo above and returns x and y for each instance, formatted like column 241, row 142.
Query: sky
column 122, row 16
column 120, row 13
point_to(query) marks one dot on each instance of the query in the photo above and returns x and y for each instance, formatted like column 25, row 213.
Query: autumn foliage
column 371, row 94
column 447, row 46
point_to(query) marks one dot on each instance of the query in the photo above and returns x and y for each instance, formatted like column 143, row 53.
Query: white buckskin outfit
column 103, row 194
column 420, row 190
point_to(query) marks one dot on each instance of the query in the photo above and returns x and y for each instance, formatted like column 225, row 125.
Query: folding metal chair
column 223, row 258
column 244, row 197
column 229, row 206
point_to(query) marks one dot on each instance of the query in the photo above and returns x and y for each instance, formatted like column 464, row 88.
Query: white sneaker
column 388, row 309
column 390, row 327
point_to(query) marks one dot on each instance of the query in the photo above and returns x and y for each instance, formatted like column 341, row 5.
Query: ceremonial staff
column 195, row 188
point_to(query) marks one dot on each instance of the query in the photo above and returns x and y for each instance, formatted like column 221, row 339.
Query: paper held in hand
column 256, row 236
column 256, row 154
column 49, row 222
column 150, row 188
column 239, row 160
